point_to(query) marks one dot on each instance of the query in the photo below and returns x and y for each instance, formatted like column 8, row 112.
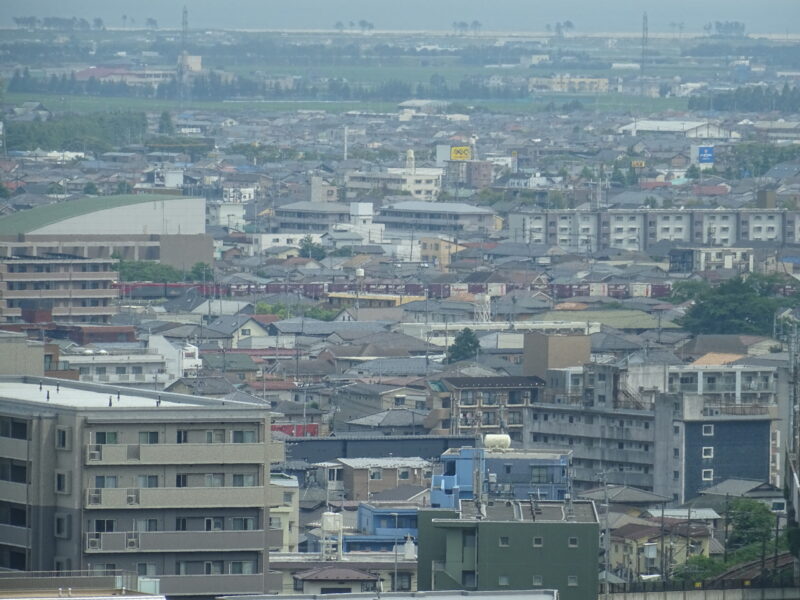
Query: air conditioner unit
column 95, row 498
column 132, row 544
column 93, row 543
column 133, row 499
column 94, row 455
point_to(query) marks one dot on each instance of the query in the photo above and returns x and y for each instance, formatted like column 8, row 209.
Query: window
column 213, row 567
column 145, row 525
column 121, row 370
column 105, row 481
column 572, row 542
column 502, row 580
column 62, row 526
column 182, row 436
column 215, row 479
column 375, row 474
column 403, row 582
column 242, row 567
column 104, row 525
column 148, row 437
column 708, row 430
column 214, row 523
column 708, row 474
column 180, row 524
column 244, row 437
column 287, row 497
column 540, row 474
column 572, row 580
column 243, row 523
column 105, row 437
column 146, row 569
column 245, row 332
column 13, row 428
column 62, row 483
column 148, row 481
column 244, row 479
column 106, row 569
column 63, row 438
column 537, row 580
column 676, row 453
column 708, row 451
column 538, row 542
column 215, row 436
column 181, row 480
column 403, row 474
column 503, row 541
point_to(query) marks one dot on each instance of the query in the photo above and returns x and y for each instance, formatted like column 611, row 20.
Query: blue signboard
column 705, row 154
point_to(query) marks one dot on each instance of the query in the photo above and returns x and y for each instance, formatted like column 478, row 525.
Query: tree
column 475, row 26
column 693, row 172
column 165, row 124
column 90, row 189
column 98, row 24
column 339, row 26
column 151, row 23
column 200, row 272
column 735, row 306
column 123, row 187
column 464, row 347
column 751, row 522
column 310, row 249
column 4, row 191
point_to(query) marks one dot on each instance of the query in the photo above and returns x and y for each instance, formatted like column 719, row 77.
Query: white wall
column 184, row 216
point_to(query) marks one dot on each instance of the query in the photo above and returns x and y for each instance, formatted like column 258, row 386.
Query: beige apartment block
column 101, row 478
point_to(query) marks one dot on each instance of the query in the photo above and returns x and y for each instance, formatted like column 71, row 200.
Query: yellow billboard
column 637, row 164
column 460, row 153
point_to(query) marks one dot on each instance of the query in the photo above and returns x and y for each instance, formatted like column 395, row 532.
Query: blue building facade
column 378, row 528
column 717, row 450
column 517, row 474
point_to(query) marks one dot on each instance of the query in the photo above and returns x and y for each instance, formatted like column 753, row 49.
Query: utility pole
column 606, row 534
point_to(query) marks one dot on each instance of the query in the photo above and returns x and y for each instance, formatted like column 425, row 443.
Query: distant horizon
column 776, row 17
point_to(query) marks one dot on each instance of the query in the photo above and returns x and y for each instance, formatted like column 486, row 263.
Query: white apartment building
column 421, row 183
column 639, row 228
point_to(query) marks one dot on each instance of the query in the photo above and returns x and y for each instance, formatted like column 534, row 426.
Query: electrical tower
column 182, row 75
column 644, row 54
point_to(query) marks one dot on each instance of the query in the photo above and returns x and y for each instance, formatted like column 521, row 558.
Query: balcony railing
column 207, row 497
column 183, row 541
column 186, row 454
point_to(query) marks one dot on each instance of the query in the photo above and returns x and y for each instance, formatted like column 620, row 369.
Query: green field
column 89, row 104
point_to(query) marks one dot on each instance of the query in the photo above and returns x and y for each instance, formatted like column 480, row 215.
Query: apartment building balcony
column 14, row 448
column 60, row 293
column 217, row 585
column 182, row 541
column 15, row 536
column 80, row 311
column 61, row 276
column 11, row 491
column 180, row 454
column 206, row 497
column 128, row 378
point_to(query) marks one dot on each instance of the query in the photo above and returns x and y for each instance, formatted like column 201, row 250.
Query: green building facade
column 514, row 545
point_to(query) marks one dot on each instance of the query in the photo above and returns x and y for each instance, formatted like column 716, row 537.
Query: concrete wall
column 18, row 356
column 542, row 352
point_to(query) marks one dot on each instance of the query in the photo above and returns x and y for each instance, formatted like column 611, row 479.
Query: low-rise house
column 361, row 477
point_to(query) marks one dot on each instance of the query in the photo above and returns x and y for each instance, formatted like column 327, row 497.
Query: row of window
column 184, row 567
column 151, row 525
column 182, row 480
column 537, row 580
column 504, row 541
column 212, row 436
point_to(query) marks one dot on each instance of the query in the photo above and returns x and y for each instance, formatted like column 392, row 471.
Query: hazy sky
column 765, row 16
